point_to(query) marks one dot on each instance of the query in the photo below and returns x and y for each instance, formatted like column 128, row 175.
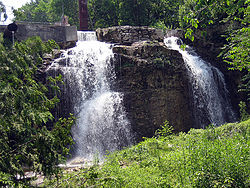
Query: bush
column 25, row 139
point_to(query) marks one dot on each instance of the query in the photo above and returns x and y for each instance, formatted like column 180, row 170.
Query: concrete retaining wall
column 45, row 31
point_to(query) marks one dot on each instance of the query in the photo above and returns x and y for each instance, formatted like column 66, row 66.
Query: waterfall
column 86, row 35
column 210, row 95
column 101, row 124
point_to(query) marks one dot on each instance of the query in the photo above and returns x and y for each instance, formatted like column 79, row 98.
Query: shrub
column 25, row 108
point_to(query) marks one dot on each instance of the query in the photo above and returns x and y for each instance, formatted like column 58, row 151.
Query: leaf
column 210, row 22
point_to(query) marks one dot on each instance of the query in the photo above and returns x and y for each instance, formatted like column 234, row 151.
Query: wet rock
column 57, row 53
column 67, row 45
column 175, row 33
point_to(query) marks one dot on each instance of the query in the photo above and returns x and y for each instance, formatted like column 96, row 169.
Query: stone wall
column 47, row 32
column 65, row 36
column 129, row 34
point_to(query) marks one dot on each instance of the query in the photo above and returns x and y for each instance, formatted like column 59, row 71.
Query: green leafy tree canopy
column 26, row 141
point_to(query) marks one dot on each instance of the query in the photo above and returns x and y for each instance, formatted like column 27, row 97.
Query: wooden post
column 83, row 15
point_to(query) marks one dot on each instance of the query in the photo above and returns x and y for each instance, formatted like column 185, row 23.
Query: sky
column 12, row 3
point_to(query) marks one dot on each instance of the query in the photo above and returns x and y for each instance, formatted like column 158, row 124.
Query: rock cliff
column 127, row 35
column 153, row 79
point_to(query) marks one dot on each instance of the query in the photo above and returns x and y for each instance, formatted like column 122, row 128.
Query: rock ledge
column 129, row 34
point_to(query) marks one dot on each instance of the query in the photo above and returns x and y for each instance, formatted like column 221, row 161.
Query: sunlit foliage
column 26, row 141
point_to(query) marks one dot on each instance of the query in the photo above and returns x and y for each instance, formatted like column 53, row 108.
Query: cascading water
column 101, row 120
column 208, row 87
column 86, row 36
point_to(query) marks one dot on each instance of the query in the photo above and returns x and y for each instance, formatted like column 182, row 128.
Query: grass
column 213, row 157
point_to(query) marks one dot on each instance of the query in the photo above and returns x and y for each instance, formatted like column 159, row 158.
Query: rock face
column 127, row 34
column 155, row 86
column 152, row 78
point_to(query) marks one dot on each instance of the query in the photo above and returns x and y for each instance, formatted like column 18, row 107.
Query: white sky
column 12, row 3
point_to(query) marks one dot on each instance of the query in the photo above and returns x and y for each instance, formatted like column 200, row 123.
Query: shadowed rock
column 155, row 84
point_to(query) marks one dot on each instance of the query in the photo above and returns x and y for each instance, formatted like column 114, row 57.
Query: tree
column 66, row 7
column 104, row 13
column 48, row 11
column 97, row 9
column 3, row 12
column 134, row 12
column 200, row 14
column 164, row 11
column 35, row 11
column 26, row 139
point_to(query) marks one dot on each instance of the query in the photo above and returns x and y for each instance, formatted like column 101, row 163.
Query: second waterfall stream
column 101, row 123
column 208, row 87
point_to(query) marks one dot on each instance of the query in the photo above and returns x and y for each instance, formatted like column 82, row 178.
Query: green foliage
column 70, row 9
column 236, row 53
column 197, row 16
column 243, row 111
column 5, row 179
column 155, row 13
column 200, row 14
column 245, row 85
column 160, row 25
column 214, row 157
column 35, row 11
column 97, row 9
column 48, row 11
column 165, row 130
column 3, row 12
column 26, row 141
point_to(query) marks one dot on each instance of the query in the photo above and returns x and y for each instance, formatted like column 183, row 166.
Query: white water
column 208, row 87
column 86, row 35
column 101, row 120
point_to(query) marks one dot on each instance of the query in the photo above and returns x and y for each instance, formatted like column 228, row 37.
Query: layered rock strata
column 127, row 35
column 152, row 78
column 155, row 86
